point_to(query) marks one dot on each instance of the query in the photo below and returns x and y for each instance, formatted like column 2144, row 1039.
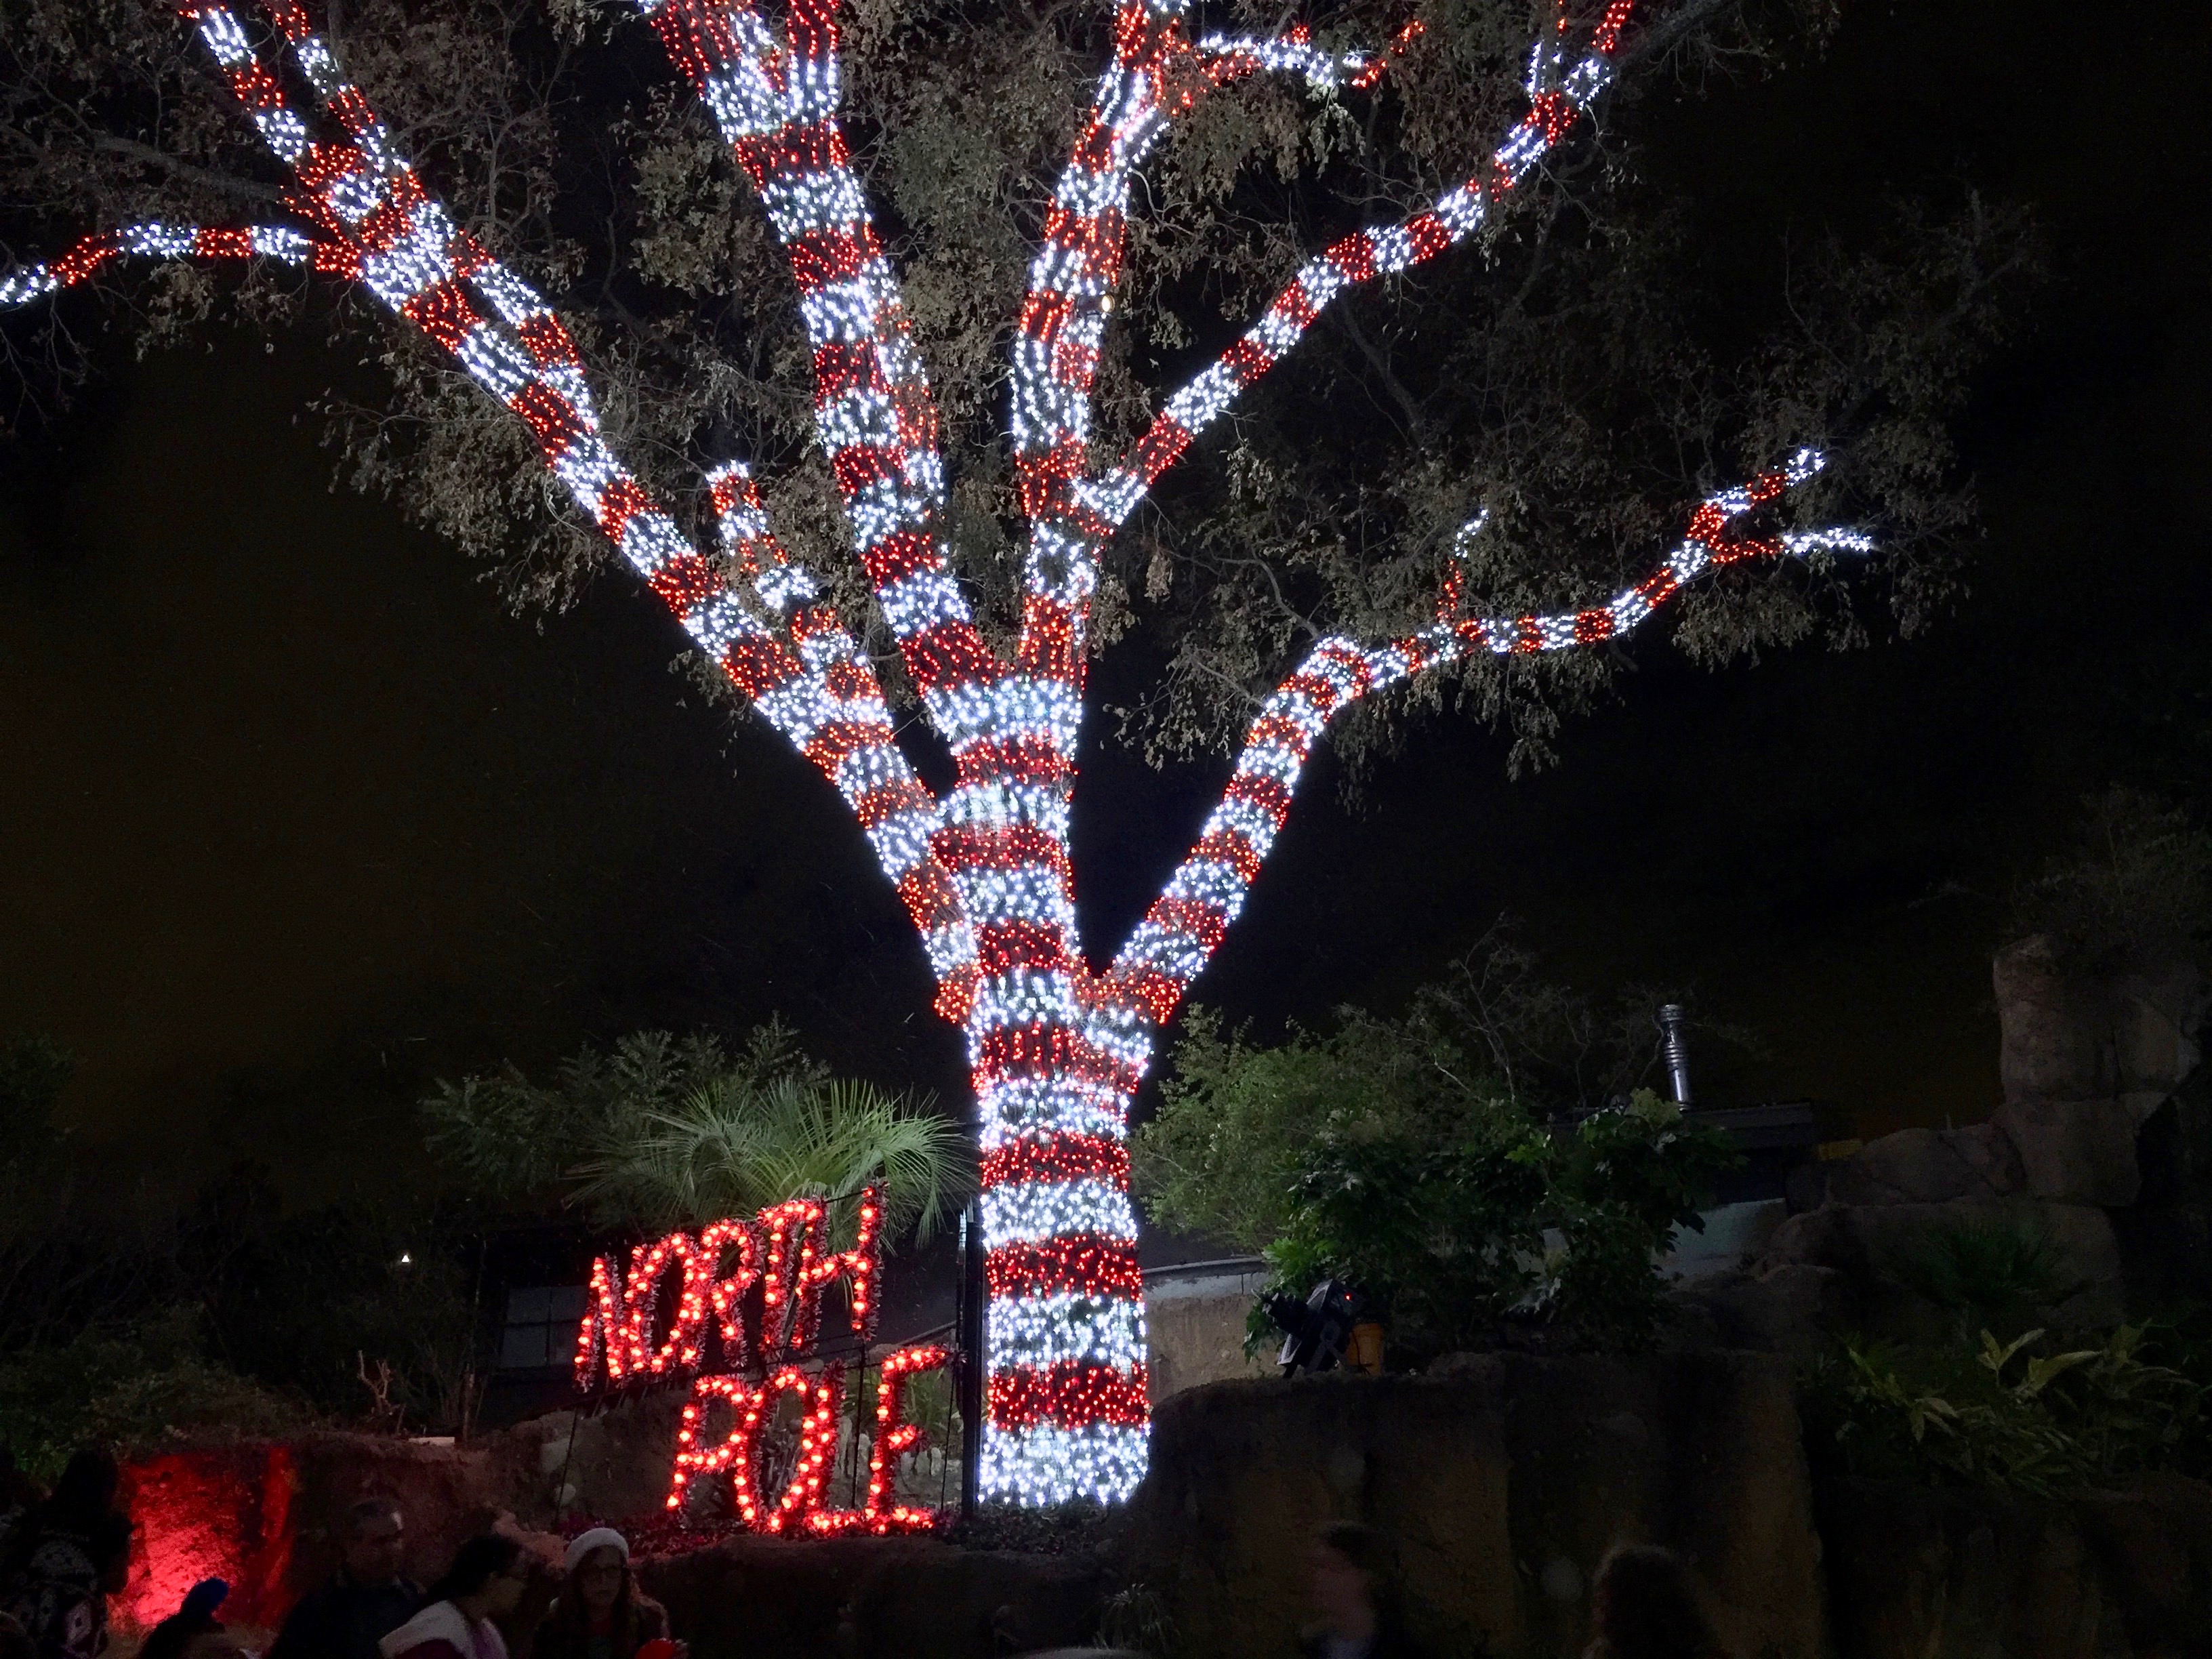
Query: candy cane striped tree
column 1057, row 1045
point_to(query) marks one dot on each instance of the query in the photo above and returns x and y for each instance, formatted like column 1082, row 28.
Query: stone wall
column 2129, row 1038
column 1498, row 1487
column 1496, row 1483
column 2101, row 1149
column 1914, row 1572
column 612, row 1463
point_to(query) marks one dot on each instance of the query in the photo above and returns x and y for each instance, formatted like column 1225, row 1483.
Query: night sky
column 298, row 817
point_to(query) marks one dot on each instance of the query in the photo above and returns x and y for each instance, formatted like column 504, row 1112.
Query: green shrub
column 1993, row 1274
column 131, row 1389
column 1442, row 1241
column 2023, row 1415
column 1448, row 1221
column 1508, row 1217
column 1220, row 1155
column 1445, row 1163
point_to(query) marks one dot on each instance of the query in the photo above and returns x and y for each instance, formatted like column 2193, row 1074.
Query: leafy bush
column 1507, row 1217
column 2020, row 1416
column 1383, row 1154
column 1442, row 1241
column 232, row 1289
column 1490, row 1037
column 130, row 1388
column 2137, row 889
column 308, row 1300
column 1220, row 1156
column 1992, row 1273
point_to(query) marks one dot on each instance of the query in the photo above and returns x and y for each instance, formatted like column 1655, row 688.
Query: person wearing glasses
column 603, row 1614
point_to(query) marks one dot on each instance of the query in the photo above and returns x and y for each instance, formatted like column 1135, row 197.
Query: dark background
column 297, row 817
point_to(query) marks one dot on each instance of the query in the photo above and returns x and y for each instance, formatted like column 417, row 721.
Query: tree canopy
column 1610, row 351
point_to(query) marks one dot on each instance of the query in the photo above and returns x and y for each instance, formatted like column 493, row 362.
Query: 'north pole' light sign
column 751, row 1292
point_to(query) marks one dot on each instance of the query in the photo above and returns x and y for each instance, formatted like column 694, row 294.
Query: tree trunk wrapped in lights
column 1057, row 1050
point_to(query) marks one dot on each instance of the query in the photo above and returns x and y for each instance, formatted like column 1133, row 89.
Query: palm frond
column 736, row 1145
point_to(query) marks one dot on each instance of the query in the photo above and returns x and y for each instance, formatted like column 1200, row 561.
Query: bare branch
column 251, row 190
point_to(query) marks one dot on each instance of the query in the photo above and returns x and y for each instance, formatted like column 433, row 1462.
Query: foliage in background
column 1546, row 1046
column 1233, row 1114
column 1438, row 1161
column 1993, row 1274
column 132, row 1386
column 226, row 1313
column 33, row 1071
column 1235, row 1117
column 310, row 1300
column 1617, row 344
column 2137, row 890
column 234, row 1317
column 2024, row 1415
column 1507, row 1216
column 662, row 1132
column 232, row 1313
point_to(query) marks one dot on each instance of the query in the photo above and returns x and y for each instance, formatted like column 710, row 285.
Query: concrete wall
column 1196, row 1324
column 1497, row 1488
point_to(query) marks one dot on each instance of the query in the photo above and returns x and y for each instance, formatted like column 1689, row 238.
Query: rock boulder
column 1928, row 1166
column 1881, row 1249
column 1797, row 1308
column 2050, row 1027
column 2074, row 1151
column 2067, row 1034
column 614, row 1463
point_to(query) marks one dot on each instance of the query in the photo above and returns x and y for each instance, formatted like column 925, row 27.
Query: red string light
column 603, row 1333
column 737, row 1455
column 789, row 1229
column 895, row 1438
column 857, row 1266
column 779, row 1251
column 725, row 1292
column 678, row 1352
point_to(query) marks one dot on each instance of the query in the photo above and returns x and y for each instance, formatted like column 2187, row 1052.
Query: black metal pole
column 972, row 1299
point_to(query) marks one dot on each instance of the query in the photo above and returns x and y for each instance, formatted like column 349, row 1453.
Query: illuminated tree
column 1057, row 1046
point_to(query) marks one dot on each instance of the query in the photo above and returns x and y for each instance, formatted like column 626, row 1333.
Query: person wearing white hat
column 584, row 1543
column 602, row 1613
